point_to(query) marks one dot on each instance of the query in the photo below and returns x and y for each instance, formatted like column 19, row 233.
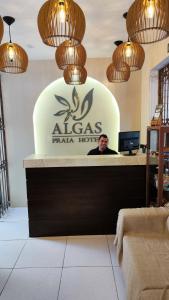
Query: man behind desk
column 102, row 147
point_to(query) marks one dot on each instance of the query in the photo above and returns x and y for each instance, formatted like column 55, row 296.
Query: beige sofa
column 142, row 242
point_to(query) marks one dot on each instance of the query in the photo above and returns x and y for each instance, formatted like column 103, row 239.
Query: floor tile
column 120, row 283
column 32, row 284
column 14, row 230
column 35, row 276
column 86, row 236
column 112, row 248
column 87, row 283
column 15, row 214
column 87, row 252
column 4, row 274
column 42, row 252
column 9, row 252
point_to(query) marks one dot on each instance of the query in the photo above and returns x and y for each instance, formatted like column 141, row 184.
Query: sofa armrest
column 146, row 220
column 143, row 220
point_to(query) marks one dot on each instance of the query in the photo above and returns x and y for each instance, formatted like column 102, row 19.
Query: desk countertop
column 46, row 161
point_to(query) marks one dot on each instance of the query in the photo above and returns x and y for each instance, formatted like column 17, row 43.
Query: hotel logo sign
column 73, row 126
column 68, row 120
column 71, row 110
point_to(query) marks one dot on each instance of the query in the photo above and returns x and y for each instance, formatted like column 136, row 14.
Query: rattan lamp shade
column 67, row 54
column 13, row 58
column 1, row 29
column 60, row 20
column 131, row 53
column 75, row 75
column 113, row 75
column 148, row 21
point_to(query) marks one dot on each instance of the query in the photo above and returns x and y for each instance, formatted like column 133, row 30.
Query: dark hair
column 104, row 136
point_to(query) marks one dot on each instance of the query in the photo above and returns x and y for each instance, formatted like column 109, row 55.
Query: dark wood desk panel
column 81, row 200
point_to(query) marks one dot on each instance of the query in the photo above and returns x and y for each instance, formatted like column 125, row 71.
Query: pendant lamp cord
column 10, row 34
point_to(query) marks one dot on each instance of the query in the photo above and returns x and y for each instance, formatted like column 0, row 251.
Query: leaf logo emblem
column 75, row 110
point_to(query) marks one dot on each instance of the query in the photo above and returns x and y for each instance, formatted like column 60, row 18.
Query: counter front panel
column 81, row 200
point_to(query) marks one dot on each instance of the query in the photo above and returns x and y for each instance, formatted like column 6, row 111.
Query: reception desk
column 82, row 194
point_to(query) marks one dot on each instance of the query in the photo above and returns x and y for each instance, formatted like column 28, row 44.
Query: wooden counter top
column 45, row 161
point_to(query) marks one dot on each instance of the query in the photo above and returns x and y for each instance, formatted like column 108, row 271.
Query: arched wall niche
column 68, row 119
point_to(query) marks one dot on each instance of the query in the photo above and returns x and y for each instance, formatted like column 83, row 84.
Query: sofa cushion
column 140, row 221
column 168, row 224
column 145, row 266
column 155, row 294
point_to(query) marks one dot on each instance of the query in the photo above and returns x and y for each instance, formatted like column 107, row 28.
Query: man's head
column 103, row 142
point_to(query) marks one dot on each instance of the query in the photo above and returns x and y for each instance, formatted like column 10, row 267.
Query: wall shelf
column 157, row 165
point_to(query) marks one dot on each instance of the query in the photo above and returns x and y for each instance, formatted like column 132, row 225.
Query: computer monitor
column 128, row 141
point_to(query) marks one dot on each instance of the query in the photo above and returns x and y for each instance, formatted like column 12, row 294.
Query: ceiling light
column 75, row 75
column 60, row 20
column 113, row 75
column 128, row 50
column 150, row 9
column 68, row 54
column 148, row 21
column 130, row 53
column 13, row 58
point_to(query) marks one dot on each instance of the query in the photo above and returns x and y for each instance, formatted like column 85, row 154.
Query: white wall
column 19, row 96
column 20, row 93
column 127, row 94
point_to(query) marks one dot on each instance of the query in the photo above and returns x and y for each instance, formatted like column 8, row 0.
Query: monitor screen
column 128, row 141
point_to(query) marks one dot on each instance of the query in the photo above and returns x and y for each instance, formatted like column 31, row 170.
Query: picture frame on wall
column 156, row 121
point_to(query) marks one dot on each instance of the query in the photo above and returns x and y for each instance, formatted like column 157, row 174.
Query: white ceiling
column 104, row 25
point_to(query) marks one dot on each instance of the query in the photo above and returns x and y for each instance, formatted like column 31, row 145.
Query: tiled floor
column 56, row 268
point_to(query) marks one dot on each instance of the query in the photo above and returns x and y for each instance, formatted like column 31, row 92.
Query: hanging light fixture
column 113, row 75
column 1, row 29
column 75, row 75
column 68, row 54
column 13, row 58
column 60, row 20
column 148, row 21
column 131, row 53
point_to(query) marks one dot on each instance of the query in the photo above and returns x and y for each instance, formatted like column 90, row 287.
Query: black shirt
column 96, row 151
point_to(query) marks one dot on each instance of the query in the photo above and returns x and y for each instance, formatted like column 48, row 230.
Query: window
column 164, row 93
column 4, row 184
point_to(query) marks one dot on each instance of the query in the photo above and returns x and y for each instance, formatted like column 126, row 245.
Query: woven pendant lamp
column 1, row 29
column 113, row 75
column 75, row 75
column 131, row 53
column 13, row 58
column 148, row 21
column 68, row 54
column 60, row 20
